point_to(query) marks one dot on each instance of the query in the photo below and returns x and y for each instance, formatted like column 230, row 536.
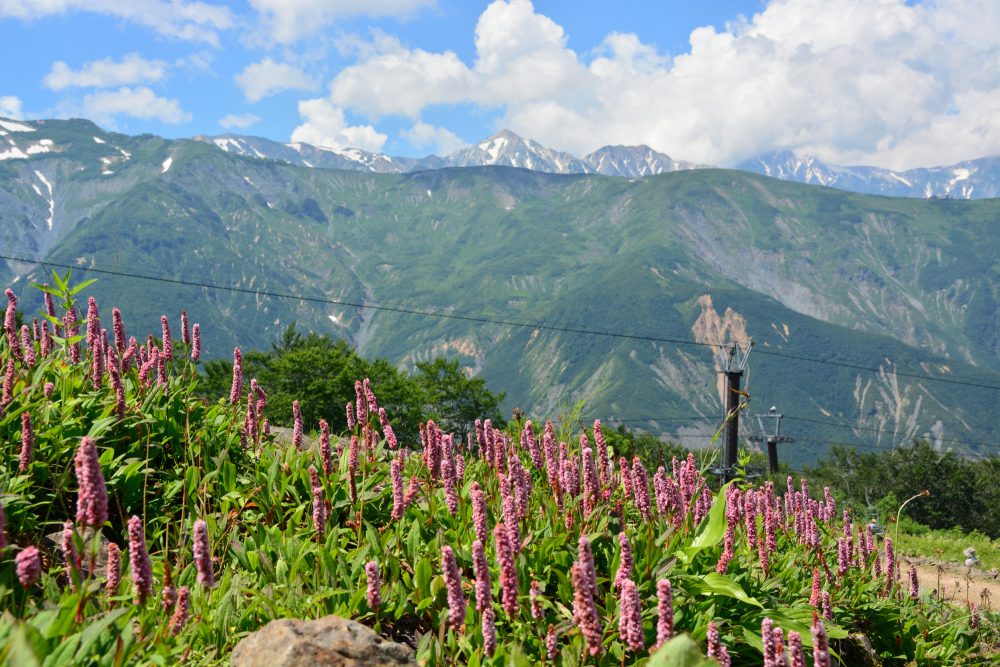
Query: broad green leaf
column 719, row 584
column 94, row 629
column 713, row 529
column 423, row 573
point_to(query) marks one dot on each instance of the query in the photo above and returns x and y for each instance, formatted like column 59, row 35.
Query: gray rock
column 53, row 543
column 283, row 438
column 327, row 641
column 856, row 650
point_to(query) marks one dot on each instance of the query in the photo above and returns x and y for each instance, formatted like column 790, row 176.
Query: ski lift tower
column 733, row 361
column 770, row 429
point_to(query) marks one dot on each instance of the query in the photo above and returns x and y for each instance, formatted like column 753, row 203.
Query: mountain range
column 875, row 319
column 971, row 179
column 504, row 149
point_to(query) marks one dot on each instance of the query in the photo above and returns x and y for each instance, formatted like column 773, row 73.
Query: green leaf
column 714, row 583
column 681, row 651
column 21, row 650
column 94, row 629
column 713, row 529
column 423, row 573
column 82, row 286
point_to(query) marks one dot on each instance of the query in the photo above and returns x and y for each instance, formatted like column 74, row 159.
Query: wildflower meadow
column 143, row 524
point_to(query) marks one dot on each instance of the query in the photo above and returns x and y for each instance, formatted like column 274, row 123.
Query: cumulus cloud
column 267, row 77
column 286, row 21
column 194, row 21
column 105, row 73
column 106, row 105
column 326, row 125
column 10, row 106
column 893, row 83
column 438, row 140
column 239, row 122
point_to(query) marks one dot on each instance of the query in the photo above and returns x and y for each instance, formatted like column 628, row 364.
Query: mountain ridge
column 970, row 179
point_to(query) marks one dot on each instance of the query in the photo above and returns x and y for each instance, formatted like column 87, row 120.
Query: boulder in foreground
column 325, row 642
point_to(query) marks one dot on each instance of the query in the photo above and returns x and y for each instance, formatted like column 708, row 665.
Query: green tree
column 455, row 399
column 320, row 373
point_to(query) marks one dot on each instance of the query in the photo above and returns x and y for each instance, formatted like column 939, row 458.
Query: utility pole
column 734, row 362
column 772, row 436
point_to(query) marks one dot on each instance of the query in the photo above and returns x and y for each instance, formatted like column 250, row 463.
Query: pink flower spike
column 508, row 572
column 319, row 509
column 142, row 570
column 481, row 571
column 296, row 425
column 453, row 585
column 28, row 566
column 630, row 617
column 796, row 655
column 584, row 611
column 665, row 612
column 535, row 595
column 168, row 343
column 489, row 631
column 203, row 554
column 27, row 443
column 113, row 570
column 185, row 333
column 92, row 497
column 821, row 649
column 551, row 644
column 374, row 593
column 714, row 649
column 181, row 612
column 118, row 326
column 28, row 344
column 196, row 342
column 236, row 391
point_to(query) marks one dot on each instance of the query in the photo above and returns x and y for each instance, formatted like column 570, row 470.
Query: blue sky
column 892, row 82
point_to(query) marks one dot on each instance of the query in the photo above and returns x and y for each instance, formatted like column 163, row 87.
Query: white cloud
column 105, row 73
column 10, row 106
column 286, row 21
column 267, row 77
column 327, row 126
column 438, row 140
column 193, row 21
column 240, row 122
column 142, row 103
column 892, row 83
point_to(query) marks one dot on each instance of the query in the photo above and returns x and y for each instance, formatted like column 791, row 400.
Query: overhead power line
column 372, row 306
column 811, row 420
column 481, row 319
column 845, row 364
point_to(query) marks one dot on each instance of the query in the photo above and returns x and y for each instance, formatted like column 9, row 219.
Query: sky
column 892, row 83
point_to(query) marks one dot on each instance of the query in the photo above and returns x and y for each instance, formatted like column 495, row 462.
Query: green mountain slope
column 887, row 284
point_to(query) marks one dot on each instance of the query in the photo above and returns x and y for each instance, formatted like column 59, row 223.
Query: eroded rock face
column 328, row 641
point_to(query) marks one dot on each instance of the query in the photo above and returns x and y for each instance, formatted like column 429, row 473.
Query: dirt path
column 956, row 583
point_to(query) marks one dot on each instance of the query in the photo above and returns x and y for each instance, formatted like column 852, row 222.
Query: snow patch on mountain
column 12, row 126
column 13, row 153
column 52, row 201
column 974, row 178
